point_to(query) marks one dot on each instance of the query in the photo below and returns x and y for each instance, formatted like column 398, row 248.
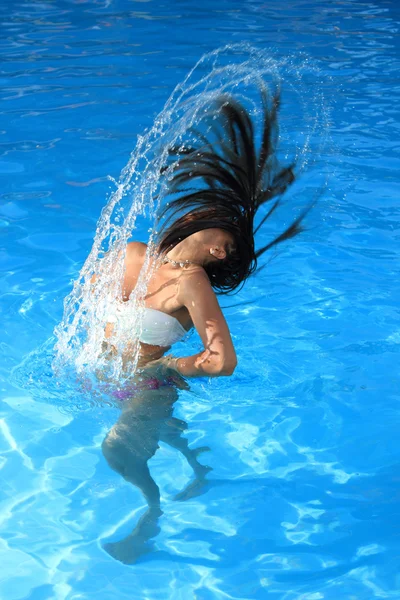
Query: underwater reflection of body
column 146, row 419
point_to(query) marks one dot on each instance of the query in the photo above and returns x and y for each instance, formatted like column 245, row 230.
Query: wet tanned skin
column 147, row 416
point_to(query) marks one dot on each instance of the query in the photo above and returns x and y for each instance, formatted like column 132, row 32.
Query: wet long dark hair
column 221, row 180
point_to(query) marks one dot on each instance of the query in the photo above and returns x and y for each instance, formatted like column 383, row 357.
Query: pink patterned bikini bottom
column 150, row 383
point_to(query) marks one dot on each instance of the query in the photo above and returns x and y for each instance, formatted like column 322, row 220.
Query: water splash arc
column 235, row 69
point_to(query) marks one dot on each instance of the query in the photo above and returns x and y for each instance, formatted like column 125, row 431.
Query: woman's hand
column 166, row 368
column 167, row 362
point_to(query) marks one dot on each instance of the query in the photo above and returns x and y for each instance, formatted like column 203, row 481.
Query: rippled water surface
column 303, row 498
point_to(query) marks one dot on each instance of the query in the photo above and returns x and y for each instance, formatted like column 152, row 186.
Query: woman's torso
column 166, row 312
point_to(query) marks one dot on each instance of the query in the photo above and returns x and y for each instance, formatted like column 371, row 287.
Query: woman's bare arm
column 218, row 357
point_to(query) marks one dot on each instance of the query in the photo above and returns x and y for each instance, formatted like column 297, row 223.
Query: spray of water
column 142, row 187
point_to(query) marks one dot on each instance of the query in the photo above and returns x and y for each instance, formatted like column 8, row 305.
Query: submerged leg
column 171, row 434
column 123, row 457
column 127, row 450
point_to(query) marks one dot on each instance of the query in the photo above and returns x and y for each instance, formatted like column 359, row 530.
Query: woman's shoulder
column 193, row 278
column 138, row 247
column 135, row 251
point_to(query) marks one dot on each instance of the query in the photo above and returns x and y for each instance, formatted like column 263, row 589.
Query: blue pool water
column 303, row 499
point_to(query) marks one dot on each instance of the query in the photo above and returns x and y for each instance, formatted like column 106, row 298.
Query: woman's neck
column 186, row 252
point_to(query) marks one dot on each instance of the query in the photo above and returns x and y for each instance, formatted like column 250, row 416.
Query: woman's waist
column 150, row 379
column 149, row 374
column 149, row 353
column 145, row 353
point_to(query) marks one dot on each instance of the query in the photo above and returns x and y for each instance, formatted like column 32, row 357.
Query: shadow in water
column 147, row 418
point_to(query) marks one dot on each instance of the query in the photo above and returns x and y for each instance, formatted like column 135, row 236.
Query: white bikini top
column 158, row 328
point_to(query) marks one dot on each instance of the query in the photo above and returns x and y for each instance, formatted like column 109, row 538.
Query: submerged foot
column 197, row 487
column 201, row 471
column 128, row 551
column 137, row 543
column 200, row 450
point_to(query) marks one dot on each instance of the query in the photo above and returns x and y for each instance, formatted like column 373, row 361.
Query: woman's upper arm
column 199, row 298
column 134, row 256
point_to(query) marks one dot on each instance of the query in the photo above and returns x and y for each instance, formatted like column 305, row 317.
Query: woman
column 206, row 245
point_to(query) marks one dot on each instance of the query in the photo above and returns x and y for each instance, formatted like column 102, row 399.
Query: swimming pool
column 302, row 501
